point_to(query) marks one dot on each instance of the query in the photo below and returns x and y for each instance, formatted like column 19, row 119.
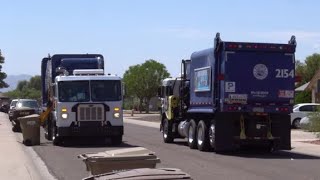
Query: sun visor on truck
column 71, row 64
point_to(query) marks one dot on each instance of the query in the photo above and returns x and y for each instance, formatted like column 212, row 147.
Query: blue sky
column 128, row 32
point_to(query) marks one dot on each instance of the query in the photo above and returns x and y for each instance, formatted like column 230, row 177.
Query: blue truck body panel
column 253, row 77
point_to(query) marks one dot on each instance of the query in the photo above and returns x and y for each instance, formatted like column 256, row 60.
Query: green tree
column 22, row 85
column 142, row 80
column 27, row 89
column 2, row 74
column 303, row 97
column 308, row 69
column 312, row 66
column 132, row 79
column 35, row 83
column 300, row 71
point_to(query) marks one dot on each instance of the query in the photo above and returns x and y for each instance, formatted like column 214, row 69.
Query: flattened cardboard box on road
column 30, row 127
column 144, row 173
column 120, row 159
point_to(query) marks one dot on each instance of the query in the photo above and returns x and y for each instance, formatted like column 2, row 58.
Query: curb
column 34, row 164
column 37, row 162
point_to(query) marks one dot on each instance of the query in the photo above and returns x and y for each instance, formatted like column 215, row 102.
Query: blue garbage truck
column 232, row 95
column 79, row 99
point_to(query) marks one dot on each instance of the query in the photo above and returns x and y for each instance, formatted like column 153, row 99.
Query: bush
column 314, row 123
column 302, row 97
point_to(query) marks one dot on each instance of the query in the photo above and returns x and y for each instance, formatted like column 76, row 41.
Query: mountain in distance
column 12, row 81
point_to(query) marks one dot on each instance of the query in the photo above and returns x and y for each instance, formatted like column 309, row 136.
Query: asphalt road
column 63, row 163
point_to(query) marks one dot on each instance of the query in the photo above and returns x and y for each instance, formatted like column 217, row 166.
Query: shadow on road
column 263, row 154
column 91, row 143
column 257, row 152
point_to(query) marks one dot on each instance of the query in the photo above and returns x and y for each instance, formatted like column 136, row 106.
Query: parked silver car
column 302, row 110
column 12, row 107
column 30, row 103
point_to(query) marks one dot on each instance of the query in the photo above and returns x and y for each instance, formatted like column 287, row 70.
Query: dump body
column 243, row 80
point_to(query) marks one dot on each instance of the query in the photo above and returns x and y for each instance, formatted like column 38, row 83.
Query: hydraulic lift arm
column 44, row 116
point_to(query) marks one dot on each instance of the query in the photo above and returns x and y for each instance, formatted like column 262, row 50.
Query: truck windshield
column 74, row 91
column 102, row 90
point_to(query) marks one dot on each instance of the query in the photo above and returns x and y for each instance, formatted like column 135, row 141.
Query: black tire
column 212, row 135
column 167, row 131
column 296, row 123
column 16, row 128
column 48, row 129
column 27, row 142
column 116, row 140
column 56, row 141
column 192, row 134
column 202, row 136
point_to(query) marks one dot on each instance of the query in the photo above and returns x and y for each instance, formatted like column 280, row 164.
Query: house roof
column 313, row 80
column 303, row 87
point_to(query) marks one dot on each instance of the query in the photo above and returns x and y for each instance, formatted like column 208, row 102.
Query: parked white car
column 304, row 121
column 300, row 111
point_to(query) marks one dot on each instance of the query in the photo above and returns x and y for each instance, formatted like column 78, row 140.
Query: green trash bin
column 30, row 126
column 120, row 159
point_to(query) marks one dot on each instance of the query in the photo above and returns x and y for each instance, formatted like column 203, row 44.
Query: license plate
column 24, row 113
column 258, row 109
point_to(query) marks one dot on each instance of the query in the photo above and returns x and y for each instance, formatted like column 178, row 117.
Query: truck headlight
column 64, row 115
column 116, row 112
column 116, row 115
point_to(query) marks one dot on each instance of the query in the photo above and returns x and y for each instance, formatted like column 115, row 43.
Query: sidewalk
column 297, row 136
column 16, row 163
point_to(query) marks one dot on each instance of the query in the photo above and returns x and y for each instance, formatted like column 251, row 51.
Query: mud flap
column 224, row 128
column 281, row 127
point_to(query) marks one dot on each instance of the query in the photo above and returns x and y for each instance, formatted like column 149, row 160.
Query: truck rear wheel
column 167, row 131
column 192, row 134
column 202, row 136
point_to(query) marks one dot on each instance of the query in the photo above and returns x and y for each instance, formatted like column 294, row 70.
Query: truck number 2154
column 284, row 73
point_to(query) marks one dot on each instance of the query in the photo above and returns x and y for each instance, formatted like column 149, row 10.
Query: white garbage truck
column 80, row 100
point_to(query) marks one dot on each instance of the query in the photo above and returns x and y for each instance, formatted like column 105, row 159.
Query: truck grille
column 90, row 112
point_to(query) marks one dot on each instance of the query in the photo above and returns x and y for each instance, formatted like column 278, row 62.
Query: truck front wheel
column 202, row 136
column 55, row 140
column 167, row 131
column 48, row 129
column 116, row 140
column 192, row 130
